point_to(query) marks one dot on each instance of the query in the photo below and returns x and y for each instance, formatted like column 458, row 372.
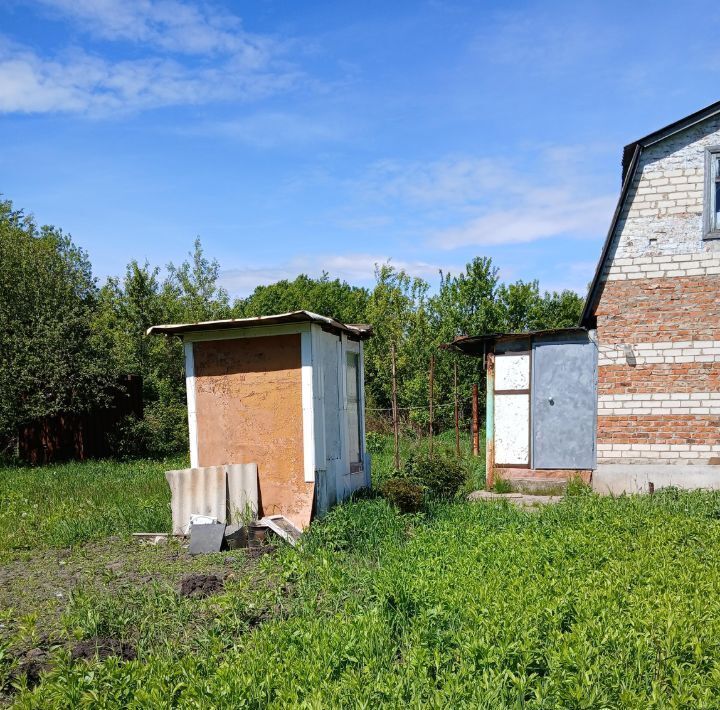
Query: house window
column 712, row 193
column 353, row 411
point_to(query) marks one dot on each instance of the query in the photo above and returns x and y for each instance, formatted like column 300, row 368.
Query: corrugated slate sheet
column 228, row 493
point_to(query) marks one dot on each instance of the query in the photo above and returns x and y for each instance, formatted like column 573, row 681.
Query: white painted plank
column 190, row 392
column 512, row 372
column 512, row 429
column 307, row 406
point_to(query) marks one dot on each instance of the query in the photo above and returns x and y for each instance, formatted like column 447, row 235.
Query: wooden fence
column 65, row 437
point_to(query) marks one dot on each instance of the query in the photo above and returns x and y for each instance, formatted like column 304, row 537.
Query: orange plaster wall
column 248, row 397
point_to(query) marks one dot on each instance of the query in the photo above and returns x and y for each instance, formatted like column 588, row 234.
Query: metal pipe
column 432, row 377
column 396, row 436
column 490, row 423
column 475, row 422
column 457, row 413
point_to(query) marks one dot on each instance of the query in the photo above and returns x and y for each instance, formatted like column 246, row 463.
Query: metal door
column 564, row 403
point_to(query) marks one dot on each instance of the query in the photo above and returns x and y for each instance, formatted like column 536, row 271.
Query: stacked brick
column 658, row 316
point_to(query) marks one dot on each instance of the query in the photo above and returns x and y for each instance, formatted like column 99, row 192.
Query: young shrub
column 405, row 495
column 501, row 485
column 374, row 442
column 442, row 476
column 577, row 487
column 360, row 527
column 160, row 433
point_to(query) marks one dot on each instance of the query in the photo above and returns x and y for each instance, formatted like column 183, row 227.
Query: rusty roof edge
column 302, row 316
column 494, row 337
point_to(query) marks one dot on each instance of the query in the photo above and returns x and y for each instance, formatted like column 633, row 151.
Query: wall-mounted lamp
column 630, row 357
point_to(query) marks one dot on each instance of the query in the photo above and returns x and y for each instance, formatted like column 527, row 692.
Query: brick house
column 655, row 305
column 632, row 396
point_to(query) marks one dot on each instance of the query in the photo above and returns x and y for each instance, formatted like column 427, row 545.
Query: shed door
column 512, row 409
column 563, row 404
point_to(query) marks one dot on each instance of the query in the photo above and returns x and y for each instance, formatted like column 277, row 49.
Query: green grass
column 592, row 603
column 66, row 504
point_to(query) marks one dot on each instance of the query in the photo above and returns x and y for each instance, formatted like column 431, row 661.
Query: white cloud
column 530, row 221
column 534, row 43
column 274, row 129
column 172, row 25
column 357, row 269
column 83, row 83
column 470, row 201
column 190, row 54
column 453, row 180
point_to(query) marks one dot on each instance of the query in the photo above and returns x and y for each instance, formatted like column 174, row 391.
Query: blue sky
column 301, row 136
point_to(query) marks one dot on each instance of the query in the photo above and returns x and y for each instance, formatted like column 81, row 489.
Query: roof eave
column 460, row 344
column 669, row 130
column 590, row 301
column 359, row 331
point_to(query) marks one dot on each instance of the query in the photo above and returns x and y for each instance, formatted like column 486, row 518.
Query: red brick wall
column 658, row 315
column 660, row 377
column 659, row 429
column 660, row 309
column 658, row 407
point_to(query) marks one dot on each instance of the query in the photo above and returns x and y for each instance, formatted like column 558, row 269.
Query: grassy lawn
column 66, row 504
column 592, row 603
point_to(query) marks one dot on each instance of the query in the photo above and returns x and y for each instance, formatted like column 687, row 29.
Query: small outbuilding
column 283, row 391
column 540, row 404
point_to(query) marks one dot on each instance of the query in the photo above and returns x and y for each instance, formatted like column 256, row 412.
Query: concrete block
column 206, row 538
column 627, row 478
column 538, row 486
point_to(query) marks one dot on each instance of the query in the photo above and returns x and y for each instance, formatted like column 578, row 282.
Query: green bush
column 374, row 442
column 405, row 495
column 161, row 432
column 441, row 475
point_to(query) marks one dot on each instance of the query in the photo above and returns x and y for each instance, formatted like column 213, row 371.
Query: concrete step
column 538, row 486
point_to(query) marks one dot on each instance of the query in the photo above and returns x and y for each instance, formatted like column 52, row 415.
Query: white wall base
column 627, row 478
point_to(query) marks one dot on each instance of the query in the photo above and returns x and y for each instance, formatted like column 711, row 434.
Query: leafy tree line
column 64, row 339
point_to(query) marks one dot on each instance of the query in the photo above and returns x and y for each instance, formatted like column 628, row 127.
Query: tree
column 558, row 310
column 52, row 360
column 127, row 307
column 191, row 290
column 397, row 311
column 326, row 296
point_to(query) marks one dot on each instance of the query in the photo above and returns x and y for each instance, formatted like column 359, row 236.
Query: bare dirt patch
column 102, row 648
column 32, row 665
column 255, row 553
column 201, row 585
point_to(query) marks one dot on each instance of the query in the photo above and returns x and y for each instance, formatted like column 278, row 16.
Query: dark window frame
column 711, row 218
column 358, row 465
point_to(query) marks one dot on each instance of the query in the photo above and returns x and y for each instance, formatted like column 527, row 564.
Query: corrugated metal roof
column 359, row 331
column 476, row 344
